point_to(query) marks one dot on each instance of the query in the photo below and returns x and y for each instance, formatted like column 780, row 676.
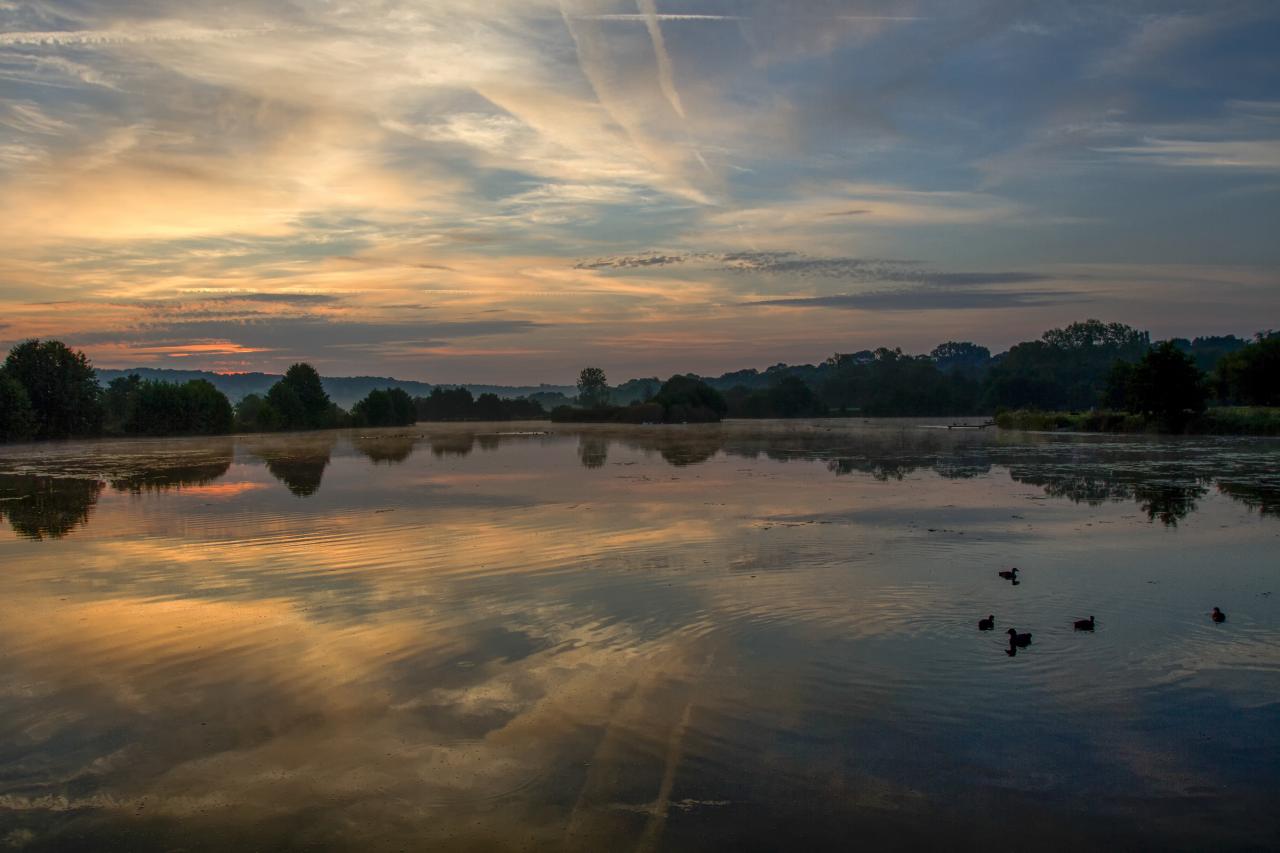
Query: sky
column 506, row 191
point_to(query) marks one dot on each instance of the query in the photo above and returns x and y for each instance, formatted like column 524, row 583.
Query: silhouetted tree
column 254, row 414
column 1252, row 374
column 208, row 411
column 389, row 407
column 303, row 380
column 960, row 355
column 893, row 383
column 593, row 387
column 688, row 398
column 458, row 405
column 120, row 404
column 1067, row 368
column 17, row 420
column 286, row 406
column 1165, row 384
column 60, row 386
column 789, row 397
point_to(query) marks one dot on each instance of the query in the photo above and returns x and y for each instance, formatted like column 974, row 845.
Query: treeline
column 681, row 399
column 49, row 391
column 1083, row 366
column 457, row 404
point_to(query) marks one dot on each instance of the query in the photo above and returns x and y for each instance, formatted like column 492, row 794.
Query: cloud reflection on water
column 511, row 647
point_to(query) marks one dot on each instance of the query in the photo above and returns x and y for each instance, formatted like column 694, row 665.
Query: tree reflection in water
column 297, row 460
column 593, row 450
column 159, row 479
column 1167, row 481
column 46, row 507
column 391, row 449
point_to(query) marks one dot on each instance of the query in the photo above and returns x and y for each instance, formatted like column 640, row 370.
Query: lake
column 754, row 635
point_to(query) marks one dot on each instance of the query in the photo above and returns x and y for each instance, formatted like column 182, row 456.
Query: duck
column 1016, row 639
column 1010, row 575
column 1084, row 624
column 987, row 624
column 1218, row 615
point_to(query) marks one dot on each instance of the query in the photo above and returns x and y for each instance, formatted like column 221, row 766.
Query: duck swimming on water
column 1010, row 575
column 1084, row 624
column 1218, row 615
column 987, row 624
column 1016, row 639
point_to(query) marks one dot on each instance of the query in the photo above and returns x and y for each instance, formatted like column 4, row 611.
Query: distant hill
column 343, row 390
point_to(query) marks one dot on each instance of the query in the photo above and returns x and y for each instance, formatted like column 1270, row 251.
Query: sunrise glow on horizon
column 505, row 192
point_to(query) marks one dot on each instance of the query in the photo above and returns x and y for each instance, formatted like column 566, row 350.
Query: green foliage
column 1166, row 385
column 789, row 397
column 686, row 398
column 313, row 408
column 208, row 411
column 1067, row 368
column 286, row 406
column 120, row 404
column 681, row 399
column 457, row 404
column 1221, row 420
column 1251, row 375
column 17, row 420
column 960, row 355
column 593, row 387
column 1209, row 350
column 296, row 402
column 891, row 383
column 1095, row 335
column 135, row 406
column 61, row 388
column 389, row 407
column 254, row 414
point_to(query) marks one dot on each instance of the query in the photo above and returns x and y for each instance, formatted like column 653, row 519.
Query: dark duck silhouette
column 1084, row 624
column 1010, row 575
column 1218, row 615
column 987, row 624
column 1016, row 639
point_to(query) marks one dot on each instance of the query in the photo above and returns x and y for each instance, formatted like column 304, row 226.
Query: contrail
column 676, row 16
column 105, row 37
column 658, row 16
column 666, row 80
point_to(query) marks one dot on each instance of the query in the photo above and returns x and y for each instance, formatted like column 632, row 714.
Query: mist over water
column 742, row 636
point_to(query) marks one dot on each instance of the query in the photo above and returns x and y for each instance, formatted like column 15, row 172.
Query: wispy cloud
column 1254, row 155
column 367, row 178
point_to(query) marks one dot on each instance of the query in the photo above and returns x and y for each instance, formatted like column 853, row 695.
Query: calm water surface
column 745, row 636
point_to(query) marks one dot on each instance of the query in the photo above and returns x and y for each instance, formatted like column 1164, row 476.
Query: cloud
column 1247, row 155
column 601, row 167
column 282, row 298
column 929, row 299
